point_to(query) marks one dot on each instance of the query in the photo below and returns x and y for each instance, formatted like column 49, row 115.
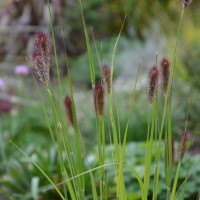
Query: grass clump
column 75, row 168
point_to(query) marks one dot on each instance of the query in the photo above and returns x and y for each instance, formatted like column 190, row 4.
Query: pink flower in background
column 2, row 84
column 21, row 70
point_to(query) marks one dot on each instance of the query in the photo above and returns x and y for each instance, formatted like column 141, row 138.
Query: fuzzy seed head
column 165, row 74
column 183, row 145
column 42, row 57
column 69, row 110
column 152, row 84
column 106, row 77
column 40, row 69
column 186, row 3
column 99, row 100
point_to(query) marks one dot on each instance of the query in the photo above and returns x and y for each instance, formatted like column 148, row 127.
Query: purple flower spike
column 99, row 100
column 165, row 74
column 42, row 57
column 152, row 84
column 21, row 70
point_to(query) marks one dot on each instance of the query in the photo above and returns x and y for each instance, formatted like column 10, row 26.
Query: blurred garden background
column 150, row 27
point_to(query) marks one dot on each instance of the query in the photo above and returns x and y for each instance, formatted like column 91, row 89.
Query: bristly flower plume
column 165, row 74
column 99, row 99
column 69, row 110
column 183, row 145
column 41, row 56
column 152, row 84
column 106, row 77
column 186, row 3
column 40, row 69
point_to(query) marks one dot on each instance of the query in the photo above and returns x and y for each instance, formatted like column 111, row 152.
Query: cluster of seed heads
column 99, row 91
column 155, row 73
column 98, row 96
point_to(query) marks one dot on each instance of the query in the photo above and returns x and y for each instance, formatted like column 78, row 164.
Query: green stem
column 175, row 183
column 169, row 89
column 174, row 56
column 54, row 48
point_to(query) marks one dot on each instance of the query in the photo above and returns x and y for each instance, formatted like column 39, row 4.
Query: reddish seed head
column 182, row 147
column 165, row 74
column 106, row 77
column 186, row 3
column 69, row 110
column 99, row 99
column 152, row 84
column 40, row 69
column 42, row 57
